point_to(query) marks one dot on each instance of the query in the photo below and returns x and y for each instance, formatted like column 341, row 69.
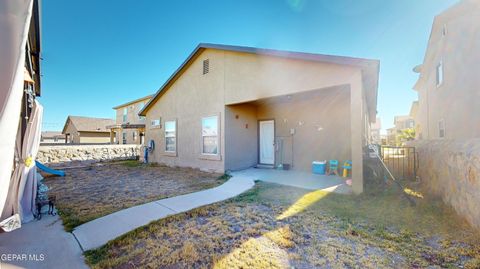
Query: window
column 210, row 135
column 441, row 128
column 124, row 138
column 170, row 136
column 134, row 135
column 125, row 111
column 140, row 107
column 156, row 123
column 439, row 74
column 206, row 66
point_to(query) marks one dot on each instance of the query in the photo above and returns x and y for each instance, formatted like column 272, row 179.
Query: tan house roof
column 370, row 69
column 87, row 124
column 134, row 101
column 51, row 134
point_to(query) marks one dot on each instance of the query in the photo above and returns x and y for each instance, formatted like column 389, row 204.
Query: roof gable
column 87, row 124
column 368, row 66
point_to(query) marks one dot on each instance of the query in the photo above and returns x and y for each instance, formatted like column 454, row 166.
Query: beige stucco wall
column 132, row 118
column 130, row 137
column 457, row 100
column 241, row 136
column 451, row 170
column 250, row 77
column 321, row 124
column 190, row 98
column 76, row 137
column 94, row 137
column 238, row 78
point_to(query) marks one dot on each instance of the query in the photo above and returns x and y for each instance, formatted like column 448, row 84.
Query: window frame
column 124, row 138
column 168, row 152
column 441, row 122
column 152, row 126
column 140, row 106
column 207, row 156
column 217, row 136
column 439, row 74
column 124, row 114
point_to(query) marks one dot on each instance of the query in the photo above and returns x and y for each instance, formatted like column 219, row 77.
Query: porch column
column 356, row 127
column 112, row 135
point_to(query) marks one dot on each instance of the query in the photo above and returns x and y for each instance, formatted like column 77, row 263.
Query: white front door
column 267, row 150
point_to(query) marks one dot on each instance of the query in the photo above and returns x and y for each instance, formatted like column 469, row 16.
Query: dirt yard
column 88, row 193
column 275, row 226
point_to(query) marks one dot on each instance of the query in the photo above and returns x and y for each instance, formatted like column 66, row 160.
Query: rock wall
column 451, row 169
column 92, row 153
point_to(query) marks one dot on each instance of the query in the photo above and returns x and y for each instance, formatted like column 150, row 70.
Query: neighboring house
column 414, row 115
column 375, row 128
column 391, row 138
column 50, row 137
column 401, row 124
column 85, row 130
column 129, row 127
column 448, row 84
column 231, row 107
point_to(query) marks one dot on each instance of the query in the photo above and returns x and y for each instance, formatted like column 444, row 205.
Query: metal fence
column 401, row 161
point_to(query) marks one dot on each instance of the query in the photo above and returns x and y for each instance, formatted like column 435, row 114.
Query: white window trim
column 439, row 77
column 125, row 114
column 159, row 126
column 442, row 121
column 218, row 132
column 167, row 152
column 124, row 138
column 140, row 107
column 208, row 156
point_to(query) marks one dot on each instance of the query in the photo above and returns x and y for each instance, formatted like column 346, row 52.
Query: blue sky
column 101, row 53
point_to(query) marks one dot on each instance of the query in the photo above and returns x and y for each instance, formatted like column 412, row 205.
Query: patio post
column 357, row 118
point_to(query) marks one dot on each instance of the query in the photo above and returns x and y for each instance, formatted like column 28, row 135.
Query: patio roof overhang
column 127, row 126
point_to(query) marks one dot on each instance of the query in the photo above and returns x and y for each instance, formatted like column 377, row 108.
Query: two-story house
column 129, row 127
column 448, row 84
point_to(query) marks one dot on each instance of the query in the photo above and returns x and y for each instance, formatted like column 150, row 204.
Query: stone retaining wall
column 91, row 153
column 451, row 170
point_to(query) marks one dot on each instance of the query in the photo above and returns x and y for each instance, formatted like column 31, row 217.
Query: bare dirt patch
column 275, row 226
column 91, row 192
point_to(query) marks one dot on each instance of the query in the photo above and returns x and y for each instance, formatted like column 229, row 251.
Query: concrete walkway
column 40, row 244
column 98, row 232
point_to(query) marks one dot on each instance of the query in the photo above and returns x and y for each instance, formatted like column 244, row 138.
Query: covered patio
column 298, row 179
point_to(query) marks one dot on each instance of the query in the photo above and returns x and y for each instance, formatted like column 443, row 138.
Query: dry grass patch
column 320, row 230
column 88, row 193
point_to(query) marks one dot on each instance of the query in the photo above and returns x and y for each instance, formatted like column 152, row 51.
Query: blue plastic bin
column 318, row 167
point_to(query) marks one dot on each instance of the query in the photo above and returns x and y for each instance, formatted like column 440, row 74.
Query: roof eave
column 341, row 60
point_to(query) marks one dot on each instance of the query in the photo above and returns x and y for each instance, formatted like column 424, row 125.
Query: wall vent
column 206, row 66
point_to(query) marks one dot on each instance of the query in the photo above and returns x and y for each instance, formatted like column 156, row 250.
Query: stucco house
column 86, row 130
column 52, row 137
column 231, row 108
column 448, row 84
column 129, row 127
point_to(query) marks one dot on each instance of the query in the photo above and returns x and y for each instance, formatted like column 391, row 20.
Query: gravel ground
column 98, row 190
column 275, row 226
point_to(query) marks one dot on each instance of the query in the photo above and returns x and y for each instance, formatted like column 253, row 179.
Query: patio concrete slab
column 98, row 232
column 44, row 243
column 298, row 179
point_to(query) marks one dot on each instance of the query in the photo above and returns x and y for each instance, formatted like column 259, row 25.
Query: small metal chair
column 333, row 167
